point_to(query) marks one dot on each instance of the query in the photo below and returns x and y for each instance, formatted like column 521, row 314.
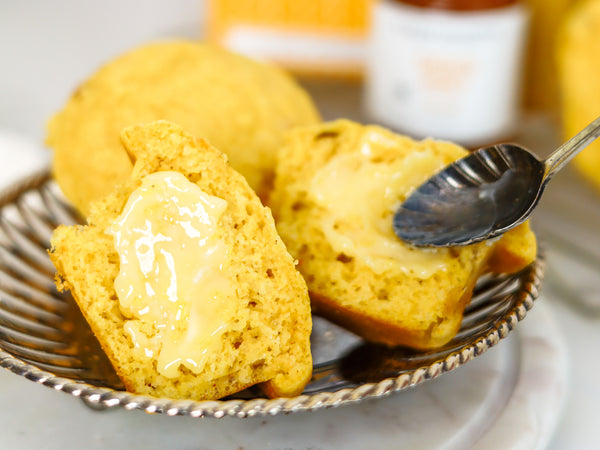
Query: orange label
column 326, row 36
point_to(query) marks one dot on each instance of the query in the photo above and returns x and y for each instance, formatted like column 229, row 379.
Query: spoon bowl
column 482, row 195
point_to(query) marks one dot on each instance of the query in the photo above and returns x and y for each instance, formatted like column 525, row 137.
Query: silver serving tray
column 44, row 338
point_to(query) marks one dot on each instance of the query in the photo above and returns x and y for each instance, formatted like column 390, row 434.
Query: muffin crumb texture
column 242, row 107
column 337, row 186
column 266, row 339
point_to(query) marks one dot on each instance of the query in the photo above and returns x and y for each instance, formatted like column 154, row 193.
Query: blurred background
column 476, row 72
column 55, row 46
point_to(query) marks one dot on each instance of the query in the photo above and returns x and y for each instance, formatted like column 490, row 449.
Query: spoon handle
column 563, row 154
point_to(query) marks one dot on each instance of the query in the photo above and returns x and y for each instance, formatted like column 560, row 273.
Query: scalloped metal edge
column 102, row 398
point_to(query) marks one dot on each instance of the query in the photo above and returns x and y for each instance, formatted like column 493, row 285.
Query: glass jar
column 448, row 69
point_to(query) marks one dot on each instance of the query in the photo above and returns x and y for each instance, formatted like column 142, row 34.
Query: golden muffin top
column 241, row 106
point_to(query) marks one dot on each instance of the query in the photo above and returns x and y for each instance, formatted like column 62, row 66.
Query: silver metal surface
column 483, row 194
column 44, row 338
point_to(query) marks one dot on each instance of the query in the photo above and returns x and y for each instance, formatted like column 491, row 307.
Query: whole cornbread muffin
column 337, row 186
column 183, row 279
column 579, row 75
column 241, row 106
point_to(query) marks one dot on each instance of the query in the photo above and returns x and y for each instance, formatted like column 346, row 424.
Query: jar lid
column 459, row 5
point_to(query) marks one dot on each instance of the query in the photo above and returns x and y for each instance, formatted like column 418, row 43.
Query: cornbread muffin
column 336, row 188
column 183, row 278
column 541, row 78
column 242, row 107
column 579, row 68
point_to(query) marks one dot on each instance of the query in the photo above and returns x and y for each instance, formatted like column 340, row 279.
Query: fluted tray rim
column 102, row 397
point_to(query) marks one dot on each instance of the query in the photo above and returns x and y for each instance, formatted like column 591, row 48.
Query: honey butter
column 358, row 194
column 173, row 285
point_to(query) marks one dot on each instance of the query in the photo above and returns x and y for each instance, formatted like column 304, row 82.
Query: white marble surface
column 510, row 397
column 507, row 398
column 456, row 411
column 47, row 48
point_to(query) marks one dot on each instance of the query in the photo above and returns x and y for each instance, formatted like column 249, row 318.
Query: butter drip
column 173, row 285
column 359, row 193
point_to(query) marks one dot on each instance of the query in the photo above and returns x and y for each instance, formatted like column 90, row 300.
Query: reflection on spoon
column 482, row 195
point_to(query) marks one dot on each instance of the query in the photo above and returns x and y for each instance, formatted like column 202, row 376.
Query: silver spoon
column 483, row 194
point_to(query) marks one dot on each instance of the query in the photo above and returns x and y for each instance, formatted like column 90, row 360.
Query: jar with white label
column 447, row 69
